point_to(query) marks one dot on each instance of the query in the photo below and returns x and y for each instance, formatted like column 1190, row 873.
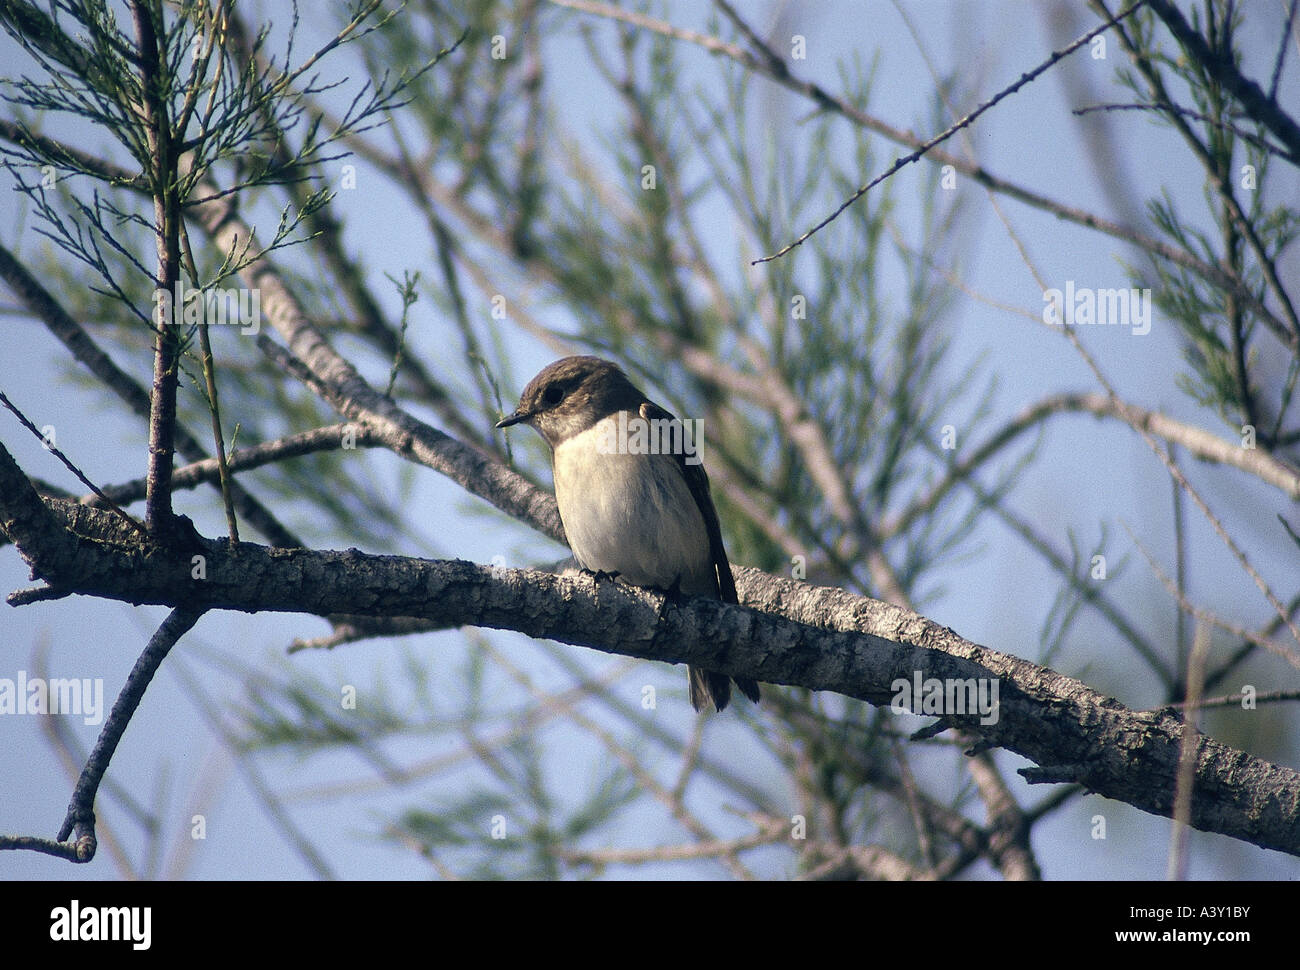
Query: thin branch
column 952, row 129
column 1235, row 700
column 43, row 305
column 769, row 64
column 72, row 756
column 80, row 820
column 1260, row 143
column 1202, row 444
column 22, row 418
column 1204, row 617
column 208, row 471
column 214, row 404
column 1187, row 755
column 1254, row 102
column 1282, row 47
column 157, row 123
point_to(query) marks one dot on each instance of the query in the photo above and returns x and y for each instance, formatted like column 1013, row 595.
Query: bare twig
column 80, row 820
column 1263, row 108
column 1261, row 143
column 1221, row 183
column 1235, row 700
column 1187, row 756
column 769, row 64
column 1204, row 617
column 163, row 184
column 951, row 130
column 43, row 305
column 72, row 468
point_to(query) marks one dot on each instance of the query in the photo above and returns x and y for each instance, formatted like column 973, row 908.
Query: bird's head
column 571, row 395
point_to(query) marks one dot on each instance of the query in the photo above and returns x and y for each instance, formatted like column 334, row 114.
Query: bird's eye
column 553, row 394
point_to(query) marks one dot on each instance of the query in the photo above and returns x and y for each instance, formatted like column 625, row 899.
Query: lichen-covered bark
column 784, row 633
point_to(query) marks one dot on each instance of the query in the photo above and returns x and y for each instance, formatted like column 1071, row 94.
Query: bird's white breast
column 631, row 513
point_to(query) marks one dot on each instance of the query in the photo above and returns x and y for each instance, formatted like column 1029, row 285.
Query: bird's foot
column 672, row 596
column 599, row 576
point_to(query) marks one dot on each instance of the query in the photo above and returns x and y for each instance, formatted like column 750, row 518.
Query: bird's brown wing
column 697, row 480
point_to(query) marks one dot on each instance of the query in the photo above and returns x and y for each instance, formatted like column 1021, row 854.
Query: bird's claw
column 672, row 596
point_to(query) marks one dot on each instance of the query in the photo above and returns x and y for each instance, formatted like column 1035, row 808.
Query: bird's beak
column 515, row 418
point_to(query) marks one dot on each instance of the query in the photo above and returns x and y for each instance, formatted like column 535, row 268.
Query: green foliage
column 824, row 378
column 1221, row 326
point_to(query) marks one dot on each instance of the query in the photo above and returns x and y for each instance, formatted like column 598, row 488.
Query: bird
column 631, row 507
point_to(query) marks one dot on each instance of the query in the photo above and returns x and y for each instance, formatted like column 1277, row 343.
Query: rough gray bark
column 785, row 632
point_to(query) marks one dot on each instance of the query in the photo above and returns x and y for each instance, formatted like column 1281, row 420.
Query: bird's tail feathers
column 708, row 687
column 749, row 687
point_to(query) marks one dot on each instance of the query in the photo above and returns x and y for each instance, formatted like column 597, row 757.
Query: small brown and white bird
column 642, row 513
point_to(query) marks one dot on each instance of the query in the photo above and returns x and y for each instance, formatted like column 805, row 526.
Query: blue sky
column 1087, row 473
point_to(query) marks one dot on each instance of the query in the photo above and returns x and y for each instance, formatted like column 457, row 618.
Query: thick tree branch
column 818, row 638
